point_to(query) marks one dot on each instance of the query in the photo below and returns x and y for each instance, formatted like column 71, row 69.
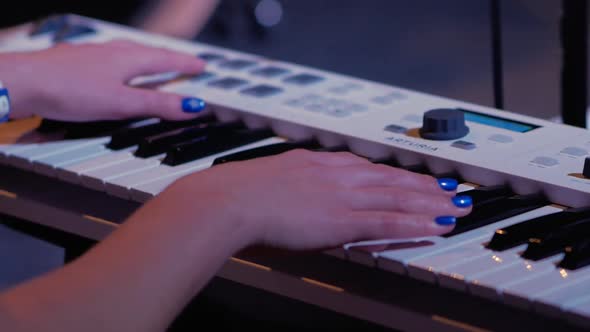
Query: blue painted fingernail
column 193, row 105
column 445, row 220
column 462, row 201
column 448, row 184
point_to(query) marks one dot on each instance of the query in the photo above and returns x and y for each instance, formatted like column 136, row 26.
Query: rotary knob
column 443, row 124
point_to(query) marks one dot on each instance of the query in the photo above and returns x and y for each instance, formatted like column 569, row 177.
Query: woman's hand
column 310, row 200
column 90, row 82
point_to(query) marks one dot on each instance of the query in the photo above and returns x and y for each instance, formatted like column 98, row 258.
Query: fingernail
column 445, row 220
column 193, row 105
column 448, row 184
column 462, row 201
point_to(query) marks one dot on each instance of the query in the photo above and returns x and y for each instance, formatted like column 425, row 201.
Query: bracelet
column 4, row 104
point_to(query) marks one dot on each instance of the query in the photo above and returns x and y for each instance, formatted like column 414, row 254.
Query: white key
column 97, row 178
column 73, row 172
column 580, row 314
column 492, row 285
column 554, row 302
column 426, row 267
column 48, row 165
column 25, row 158
column 523, row 293
column 146, row 191
column 120, row 186
column 7, row 149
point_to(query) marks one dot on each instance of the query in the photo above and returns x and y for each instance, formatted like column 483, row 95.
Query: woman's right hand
column 310, row 200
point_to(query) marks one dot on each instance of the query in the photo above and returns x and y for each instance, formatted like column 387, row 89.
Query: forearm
column 179, row 18
column 138, row 279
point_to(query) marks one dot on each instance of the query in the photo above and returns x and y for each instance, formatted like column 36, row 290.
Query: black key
column 488, row 194
column 268, row 150
column 417, row 168
column 555, row 242
column 208, row 145
column 132, row 136
column 576, row 256
column 491, row 212
column 518, row 234
column 157, row 144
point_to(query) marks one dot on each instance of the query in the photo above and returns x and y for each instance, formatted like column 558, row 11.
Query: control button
column 237, row 64
column 262, row 91
column 202, row 77
column 443, row 124
column 317, row 107
column 337, row 112
column 270, row 72
column 574, row 151
column 396, row 129
column 211, row 57
column 388, row 98
column 345, row 88
column 357, row 108
column 545, row 161
column 586, row 171
column 228, row 83
column 499, row 138
column 295, row 102
column 463, row 145
column 303, row 79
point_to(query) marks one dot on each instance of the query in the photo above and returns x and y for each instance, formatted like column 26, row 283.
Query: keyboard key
column 228, row 83
column 270, row 72
column 212, row 144
column 555, row 242
column 303, row 79
column 518, row 234
column 158, row 144
column 265, row 151
column 262, row 91
column 577, row 255
column 132, row 136
column 488, row 213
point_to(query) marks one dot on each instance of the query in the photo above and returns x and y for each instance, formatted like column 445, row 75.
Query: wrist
column 17, row 75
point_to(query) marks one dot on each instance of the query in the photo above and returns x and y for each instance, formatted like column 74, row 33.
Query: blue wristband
column 4, row 104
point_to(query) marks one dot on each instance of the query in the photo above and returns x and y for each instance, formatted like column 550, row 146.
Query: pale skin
column 174, row 244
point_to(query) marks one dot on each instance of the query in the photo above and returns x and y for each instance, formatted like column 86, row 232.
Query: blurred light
column 268, row 12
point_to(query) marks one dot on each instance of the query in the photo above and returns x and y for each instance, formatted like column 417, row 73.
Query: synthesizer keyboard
column 526, row 246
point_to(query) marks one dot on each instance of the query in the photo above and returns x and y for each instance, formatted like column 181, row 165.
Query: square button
column 211, row 57
column 237, row 64
column 228, row 83
column 270, row 72
column 463, row 145
column 202, row 77
column 262, row 91
column 303, row 79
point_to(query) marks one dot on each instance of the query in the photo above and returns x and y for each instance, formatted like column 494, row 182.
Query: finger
column 337, row 159
column 382, row 224
column 151, row 60
column 169, row 106
column 376, row 175
column 406, row 201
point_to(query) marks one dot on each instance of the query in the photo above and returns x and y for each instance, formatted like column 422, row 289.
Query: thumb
column 169, row 106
